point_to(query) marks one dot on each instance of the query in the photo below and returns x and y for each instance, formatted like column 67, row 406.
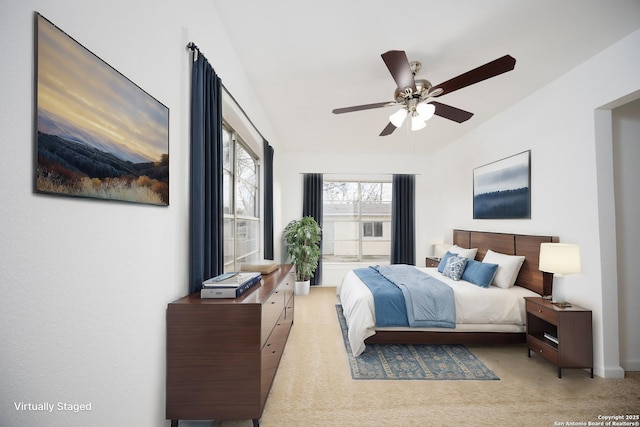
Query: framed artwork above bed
column 502, row 189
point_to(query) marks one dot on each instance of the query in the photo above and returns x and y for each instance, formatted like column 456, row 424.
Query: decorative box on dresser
column 562, row 335
column 222, row 354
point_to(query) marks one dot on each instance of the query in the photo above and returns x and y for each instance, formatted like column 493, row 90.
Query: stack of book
column 229, row 285
column 551, row 338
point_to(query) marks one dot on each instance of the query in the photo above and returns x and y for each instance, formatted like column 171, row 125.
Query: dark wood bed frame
column 529, row 277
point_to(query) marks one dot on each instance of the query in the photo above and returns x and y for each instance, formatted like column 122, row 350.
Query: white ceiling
column 305, row 58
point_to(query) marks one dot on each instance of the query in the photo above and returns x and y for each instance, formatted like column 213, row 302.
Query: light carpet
column 314, row 388
column 413, row 361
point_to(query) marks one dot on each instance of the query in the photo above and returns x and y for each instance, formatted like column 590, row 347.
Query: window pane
column 227, row 192
column 377, row 232
column 247, row 240
column 229, row 244
column 356, row 221
column 227, row 150
column 340, row 199
column 246, row 184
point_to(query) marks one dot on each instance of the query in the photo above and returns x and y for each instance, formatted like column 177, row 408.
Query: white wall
column 84, row 284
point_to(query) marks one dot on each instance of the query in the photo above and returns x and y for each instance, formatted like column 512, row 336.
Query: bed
column 483, row 315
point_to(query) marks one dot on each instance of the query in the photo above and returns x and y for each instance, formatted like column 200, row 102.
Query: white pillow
column 508, row 268
column 462, row 252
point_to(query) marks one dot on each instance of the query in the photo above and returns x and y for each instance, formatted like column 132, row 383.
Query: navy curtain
column 403, row 244
column 312, row 206
column 206, row 217
column 268, row 200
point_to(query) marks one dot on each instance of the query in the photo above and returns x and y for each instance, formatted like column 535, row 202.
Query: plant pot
column 302, row 288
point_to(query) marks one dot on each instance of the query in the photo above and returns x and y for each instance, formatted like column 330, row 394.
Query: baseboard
column 609, row 372
column 631, row 365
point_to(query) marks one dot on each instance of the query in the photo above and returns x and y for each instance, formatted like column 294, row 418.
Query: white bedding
column 490, row 309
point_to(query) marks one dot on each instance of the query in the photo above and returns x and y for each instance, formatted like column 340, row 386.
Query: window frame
column 230, row 213
column 361, row 219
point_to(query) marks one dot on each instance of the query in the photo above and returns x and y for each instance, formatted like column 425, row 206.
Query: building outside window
column 356, row 221
column 241, row 202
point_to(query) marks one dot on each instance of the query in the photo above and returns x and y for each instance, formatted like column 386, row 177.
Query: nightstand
column 562, row 335
column 431, row 261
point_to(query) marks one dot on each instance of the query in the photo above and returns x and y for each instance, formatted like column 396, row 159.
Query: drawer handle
column 539, row 311
column 540, row 350
column 273, row 302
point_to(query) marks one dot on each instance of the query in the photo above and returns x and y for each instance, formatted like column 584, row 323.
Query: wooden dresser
column 222, row 354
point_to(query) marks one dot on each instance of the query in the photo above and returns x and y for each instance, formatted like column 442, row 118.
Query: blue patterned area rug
column 414, row 361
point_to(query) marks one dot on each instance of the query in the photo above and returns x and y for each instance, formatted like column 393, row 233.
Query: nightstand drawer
column 544, row 350
column 546, row 313
column 432, row 262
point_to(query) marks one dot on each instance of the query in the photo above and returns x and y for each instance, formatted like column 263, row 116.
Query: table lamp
column 560, row 259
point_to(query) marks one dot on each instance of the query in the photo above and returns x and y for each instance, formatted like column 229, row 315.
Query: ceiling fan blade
column 399, row 67
column 388, row 130
column 363, row 107
column 451, row 113
column 483, row 72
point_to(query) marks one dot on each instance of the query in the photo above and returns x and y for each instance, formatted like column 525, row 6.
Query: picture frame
column 502, row 189
column 97, row 134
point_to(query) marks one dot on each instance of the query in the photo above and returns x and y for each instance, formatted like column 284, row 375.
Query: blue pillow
column 480, row 273
column 455, row 267
column 443, row 261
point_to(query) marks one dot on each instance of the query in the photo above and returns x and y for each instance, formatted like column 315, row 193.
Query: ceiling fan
column 413, row 94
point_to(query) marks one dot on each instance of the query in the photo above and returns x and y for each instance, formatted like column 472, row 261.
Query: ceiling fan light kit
column 417, row 123
column 398, row 117
column 413, row 95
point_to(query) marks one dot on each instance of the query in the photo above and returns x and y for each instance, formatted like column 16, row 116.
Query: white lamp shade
column 439, row 249
column 425, row 111
column 397, row 118
column 559, row 258
column 417, row 123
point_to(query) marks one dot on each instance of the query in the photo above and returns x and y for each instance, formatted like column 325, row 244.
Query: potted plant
column 302, row 238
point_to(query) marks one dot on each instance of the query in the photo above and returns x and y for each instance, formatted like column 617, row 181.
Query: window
column 241, row 196
column 372, row 229
column 356, row 221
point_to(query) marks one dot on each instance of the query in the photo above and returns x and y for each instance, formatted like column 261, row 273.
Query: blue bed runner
column 428, row 303
column 388, row 300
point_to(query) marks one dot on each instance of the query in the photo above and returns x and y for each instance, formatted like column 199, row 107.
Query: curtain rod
column 196, row 49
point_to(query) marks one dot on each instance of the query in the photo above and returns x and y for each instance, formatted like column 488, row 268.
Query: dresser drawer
column 288, row 310
column 542, row 349
column 272, row 352
column 271, row 310
column 546, row 313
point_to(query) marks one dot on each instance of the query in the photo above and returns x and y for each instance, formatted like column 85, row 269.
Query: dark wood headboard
column 530, row 276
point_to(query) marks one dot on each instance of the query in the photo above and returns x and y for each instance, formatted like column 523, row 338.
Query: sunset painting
column 98, row 134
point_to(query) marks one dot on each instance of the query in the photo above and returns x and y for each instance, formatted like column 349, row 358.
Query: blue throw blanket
column 429, row 303
column 388, row 300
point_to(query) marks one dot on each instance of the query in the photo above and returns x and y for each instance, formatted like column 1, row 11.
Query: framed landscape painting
column 502, row 189
column 98, row 135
